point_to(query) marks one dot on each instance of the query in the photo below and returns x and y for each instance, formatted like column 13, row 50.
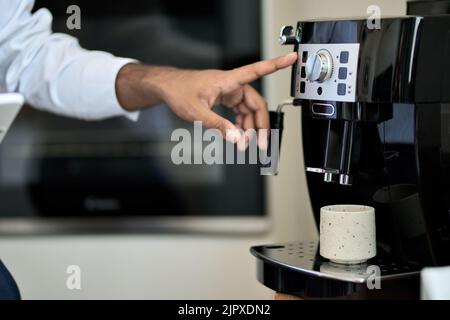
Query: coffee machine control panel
column 327, row 72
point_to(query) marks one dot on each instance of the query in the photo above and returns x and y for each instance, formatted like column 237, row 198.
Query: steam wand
column 276, row 123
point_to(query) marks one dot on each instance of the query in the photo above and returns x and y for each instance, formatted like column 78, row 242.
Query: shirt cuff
column 113, row 71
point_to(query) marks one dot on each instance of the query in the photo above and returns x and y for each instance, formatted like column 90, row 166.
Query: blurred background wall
column 189, row 267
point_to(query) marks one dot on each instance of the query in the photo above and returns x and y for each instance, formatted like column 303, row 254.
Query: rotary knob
column 319, row 66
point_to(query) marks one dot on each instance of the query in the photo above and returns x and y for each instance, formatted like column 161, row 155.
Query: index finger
column 247, row 74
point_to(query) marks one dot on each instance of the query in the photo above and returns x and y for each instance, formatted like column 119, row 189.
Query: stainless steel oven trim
column 242, row 226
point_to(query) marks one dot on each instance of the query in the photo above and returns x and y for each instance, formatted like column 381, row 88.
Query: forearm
column 139, row 86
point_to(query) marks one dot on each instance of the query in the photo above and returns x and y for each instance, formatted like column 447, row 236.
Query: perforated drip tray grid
column 303, row 258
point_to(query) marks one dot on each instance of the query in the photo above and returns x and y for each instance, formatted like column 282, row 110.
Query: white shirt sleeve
column 51, row 70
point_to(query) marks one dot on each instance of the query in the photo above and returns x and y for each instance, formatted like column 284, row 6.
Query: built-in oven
column 65, row 175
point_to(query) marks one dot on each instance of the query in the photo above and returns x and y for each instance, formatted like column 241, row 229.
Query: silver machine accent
column 328, row 177
column 345, row 180
column 327, row 72
column 289, row 36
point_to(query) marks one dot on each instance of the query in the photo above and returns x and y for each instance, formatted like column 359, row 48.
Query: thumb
column 228, row 130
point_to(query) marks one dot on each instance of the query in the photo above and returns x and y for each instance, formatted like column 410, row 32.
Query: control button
column 342, row 73
column 304, row 56
column 323, row 109
column 319, row 66
column 303, row 73
column 344, row 57
column 341, row 90
column 302, row 87
column 319, row 91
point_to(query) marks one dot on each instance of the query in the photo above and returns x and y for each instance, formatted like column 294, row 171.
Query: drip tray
column 297, row 268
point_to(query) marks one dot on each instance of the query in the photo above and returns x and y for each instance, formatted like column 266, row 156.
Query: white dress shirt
column 51, row 70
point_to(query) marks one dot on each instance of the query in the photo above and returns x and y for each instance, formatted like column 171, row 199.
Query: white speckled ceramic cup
column 347, row 233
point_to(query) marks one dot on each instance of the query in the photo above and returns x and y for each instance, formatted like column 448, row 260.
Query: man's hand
column 193, row 94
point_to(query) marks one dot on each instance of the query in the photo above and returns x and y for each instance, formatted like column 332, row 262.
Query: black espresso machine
column 376, row 131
